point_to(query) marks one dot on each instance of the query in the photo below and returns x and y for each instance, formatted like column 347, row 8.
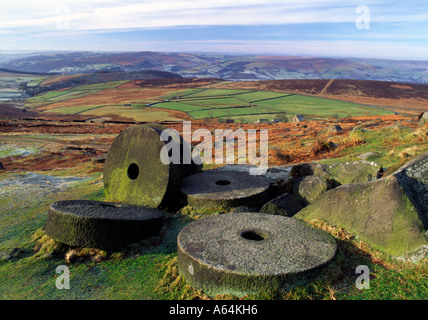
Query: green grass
column 64, row 95
column 260, row 95
column 72, row 94
column 57, row 96
column 226, row 112
column 388, row 146
column 132, row 112
column 202, row 104
column 50, row 94
column 72, row 110
column 215, row 93
column 100, row 86
column 179, row 106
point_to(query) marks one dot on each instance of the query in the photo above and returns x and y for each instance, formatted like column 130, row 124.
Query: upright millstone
column 135, row 171
column 248, row 253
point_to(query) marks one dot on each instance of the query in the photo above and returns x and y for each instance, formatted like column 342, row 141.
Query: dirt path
column 324, row 90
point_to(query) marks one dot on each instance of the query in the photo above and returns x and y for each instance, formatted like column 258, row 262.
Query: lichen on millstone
column 134, row 172
column 101, row 225
column 213, row 188
column 195, row 165
column 248, row 253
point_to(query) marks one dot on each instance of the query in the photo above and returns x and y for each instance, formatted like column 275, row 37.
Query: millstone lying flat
column 102, row 225
column 225, row 188
column 246, row 253
column 135, row 174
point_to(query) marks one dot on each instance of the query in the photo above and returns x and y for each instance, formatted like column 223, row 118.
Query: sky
column 335, row 28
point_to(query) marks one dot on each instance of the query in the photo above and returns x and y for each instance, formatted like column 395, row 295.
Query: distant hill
column 70, row 81
column 228, row 67
column 26, row 72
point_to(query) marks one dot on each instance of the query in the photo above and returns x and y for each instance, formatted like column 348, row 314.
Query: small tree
column 22, row 86
column 282, row 116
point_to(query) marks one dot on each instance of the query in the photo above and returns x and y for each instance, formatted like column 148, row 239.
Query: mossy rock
column 248, row 253
column 285, row 205
column 339, row 173
column 413, row 178
column 331, row 129
column 378, row 212
column 214, row 188
column 310, row 188
column 101, row 225
column 423, row 118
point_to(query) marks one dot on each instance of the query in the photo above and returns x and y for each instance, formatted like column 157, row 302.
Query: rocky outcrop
column 331, row 129
column 340, row 173
column 413, row 178
column 423, row 118
column 285, row 205
column 389, row 213
column 309, row 188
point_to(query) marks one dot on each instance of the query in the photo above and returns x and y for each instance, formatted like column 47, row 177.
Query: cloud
column 111, row 15
column 339, row 48
column 309, row 26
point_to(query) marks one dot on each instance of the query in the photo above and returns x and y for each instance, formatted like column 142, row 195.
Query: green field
column 203, row 103
column 73, row 110
column 100, row 86
column 10, row 84
column 74, row 93
column 246, row 105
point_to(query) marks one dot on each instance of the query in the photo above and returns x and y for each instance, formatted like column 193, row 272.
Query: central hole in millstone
column 133, row 171
column 253, row 235
column 222, row 182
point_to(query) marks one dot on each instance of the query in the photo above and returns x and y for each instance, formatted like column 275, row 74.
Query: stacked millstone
column 248, row 253
column 137, row 172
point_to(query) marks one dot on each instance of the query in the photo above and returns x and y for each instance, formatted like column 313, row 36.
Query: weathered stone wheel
column 102, row 225
column 134, row 172
column 246, row 253
column 225, row 188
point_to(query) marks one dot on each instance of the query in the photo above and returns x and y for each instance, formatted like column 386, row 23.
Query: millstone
column 135, row 174
column 246, row 253
column 225, row 188
column 102, row 225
